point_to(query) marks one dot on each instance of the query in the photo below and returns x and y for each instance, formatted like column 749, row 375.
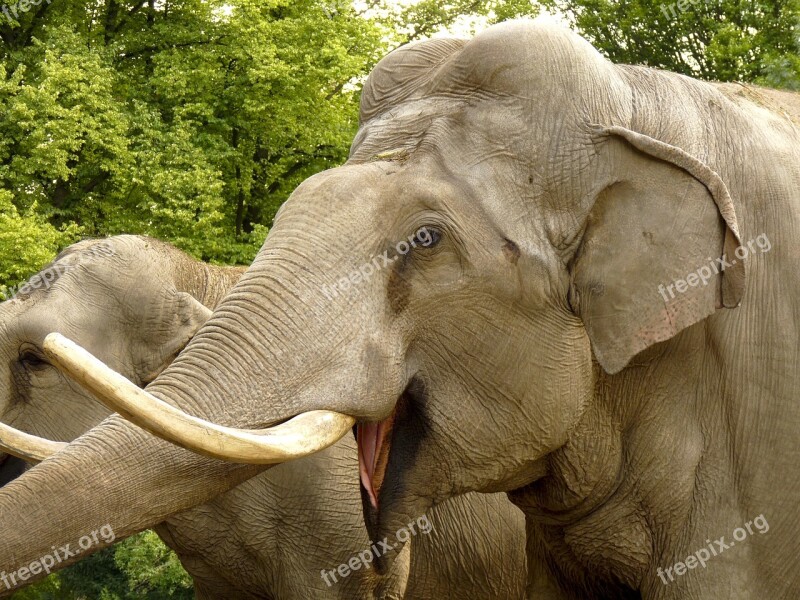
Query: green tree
column 188, row 121
column 138, row 568
column 722, row 40
column 28, row 241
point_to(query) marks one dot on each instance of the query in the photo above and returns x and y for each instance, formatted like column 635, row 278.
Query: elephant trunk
column 278, row 347
column 115, row 476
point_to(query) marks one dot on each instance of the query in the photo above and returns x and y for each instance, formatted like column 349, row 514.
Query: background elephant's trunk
column 116, row 475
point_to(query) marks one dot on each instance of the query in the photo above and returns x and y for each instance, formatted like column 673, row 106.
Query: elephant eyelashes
column 426, row 237
column 32, row 361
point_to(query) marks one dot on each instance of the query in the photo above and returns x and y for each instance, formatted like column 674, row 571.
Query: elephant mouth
column 374, row 443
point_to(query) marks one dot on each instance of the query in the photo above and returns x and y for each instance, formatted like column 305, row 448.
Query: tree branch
column 125, row 18
column 37, row 17
column 111, row 17
column 169, row 47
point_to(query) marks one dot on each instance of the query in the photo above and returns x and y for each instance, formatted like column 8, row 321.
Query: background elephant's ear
column 649, row 262
column 169, row 323
column 404, row 72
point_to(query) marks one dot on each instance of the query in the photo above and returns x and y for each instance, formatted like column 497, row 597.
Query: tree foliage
column 188, row 121
column 138, row 568
column 720, row 40
column 27, row 241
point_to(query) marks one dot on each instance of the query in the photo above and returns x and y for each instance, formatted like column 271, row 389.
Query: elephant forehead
column 362, row 193
column 514, row 58
column 398, row 133
column 508, row 86
column 453, row 131
column 403, row 73
column 502, row 90
column 502, row 58
column 12, row 312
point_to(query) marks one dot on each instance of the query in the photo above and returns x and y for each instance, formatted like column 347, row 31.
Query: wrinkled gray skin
column 534, row 348
column 136, row 302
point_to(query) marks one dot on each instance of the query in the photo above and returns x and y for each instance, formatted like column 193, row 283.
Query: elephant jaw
column 374, row 444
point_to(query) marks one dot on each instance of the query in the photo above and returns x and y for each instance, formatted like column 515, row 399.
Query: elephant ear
column 170, row 321
column 652, row 258
column 404, row 73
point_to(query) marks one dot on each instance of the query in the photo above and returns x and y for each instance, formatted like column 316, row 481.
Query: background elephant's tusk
column 26, row 446
column 303, row 435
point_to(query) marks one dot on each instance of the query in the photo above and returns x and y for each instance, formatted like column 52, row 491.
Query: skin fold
column 527, row 349
column 136, row 302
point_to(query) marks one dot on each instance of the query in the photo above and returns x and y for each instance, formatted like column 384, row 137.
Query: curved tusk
column 26, row 446
column 303, row 435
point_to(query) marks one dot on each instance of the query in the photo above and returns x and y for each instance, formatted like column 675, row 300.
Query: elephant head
column 124, row 298
column 504, row 220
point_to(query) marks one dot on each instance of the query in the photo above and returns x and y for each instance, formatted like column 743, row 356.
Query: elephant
column 538, row 272
column 136, row 302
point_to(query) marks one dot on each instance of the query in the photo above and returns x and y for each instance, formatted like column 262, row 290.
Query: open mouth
column 374, row 442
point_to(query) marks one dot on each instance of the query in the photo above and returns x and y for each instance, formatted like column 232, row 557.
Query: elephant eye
column 31, row 360
column 427, row 237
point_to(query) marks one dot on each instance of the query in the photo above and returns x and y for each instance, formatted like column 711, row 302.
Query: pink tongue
column 370, row 440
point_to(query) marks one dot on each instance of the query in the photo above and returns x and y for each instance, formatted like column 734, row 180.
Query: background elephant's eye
column 31, row 360
column 427, row 237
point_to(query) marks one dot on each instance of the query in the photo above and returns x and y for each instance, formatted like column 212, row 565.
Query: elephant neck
column 581, row 475
column 217, row 282
column 208, row 283
column 586, row 499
